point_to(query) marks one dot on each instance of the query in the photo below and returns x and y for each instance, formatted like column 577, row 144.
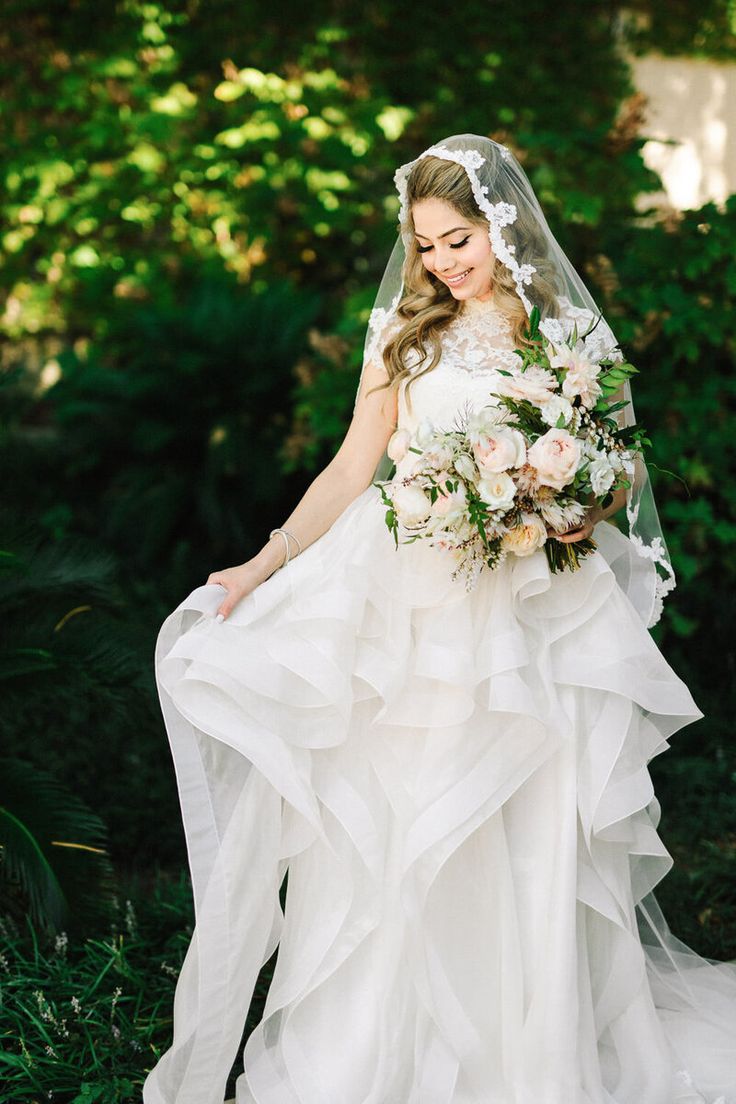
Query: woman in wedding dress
column 455, row 780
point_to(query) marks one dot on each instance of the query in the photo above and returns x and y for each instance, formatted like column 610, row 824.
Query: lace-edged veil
column 502, row 191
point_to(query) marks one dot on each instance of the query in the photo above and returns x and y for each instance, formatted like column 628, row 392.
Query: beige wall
column 694, row 102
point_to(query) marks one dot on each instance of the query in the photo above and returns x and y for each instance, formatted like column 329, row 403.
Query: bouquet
column 542, row 455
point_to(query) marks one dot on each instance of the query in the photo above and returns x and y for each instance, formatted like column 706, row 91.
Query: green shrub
column 77, row 685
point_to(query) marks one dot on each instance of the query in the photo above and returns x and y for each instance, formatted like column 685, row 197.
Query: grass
column 84, row 1023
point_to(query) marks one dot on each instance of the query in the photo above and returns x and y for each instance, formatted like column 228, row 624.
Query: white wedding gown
column 457, row 783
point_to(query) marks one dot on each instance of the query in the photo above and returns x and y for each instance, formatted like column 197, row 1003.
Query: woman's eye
column 456, row 245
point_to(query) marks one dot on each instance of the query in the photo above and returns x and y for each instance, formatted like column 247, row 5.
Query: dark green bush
column 55, row 865
column 78, row 694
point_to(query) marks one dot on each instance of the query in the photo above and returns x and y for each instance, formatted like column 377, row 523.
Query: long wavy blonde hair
column 428, row 306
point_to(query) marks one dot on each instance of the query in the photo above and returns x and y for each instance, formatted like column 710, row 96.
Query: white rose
column 552, row 409
column 411, row 504
column 534, row 383
column 500, row 448
column 601, row 475
column 497, row 490
column 398, row 444
column 526, row 537
column 556, row 457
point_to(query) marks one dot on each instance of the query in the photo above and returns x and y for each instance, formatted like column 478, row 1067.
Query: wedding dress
column 457, row 784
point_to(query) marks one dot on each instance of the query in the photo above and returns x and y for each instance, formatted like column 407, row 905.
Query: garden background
column 197, row 203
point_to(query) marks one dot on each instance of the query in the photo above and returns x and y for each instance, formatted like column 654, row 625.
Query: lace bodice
column 477, row 343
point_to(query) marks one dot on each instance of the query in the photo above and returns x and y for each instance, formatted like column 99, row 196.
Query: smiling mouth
column 459, row 278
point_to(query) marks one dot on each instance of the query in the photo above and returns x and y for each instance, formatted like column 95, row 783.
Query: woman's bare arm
column 345, row 477
column 619, row 500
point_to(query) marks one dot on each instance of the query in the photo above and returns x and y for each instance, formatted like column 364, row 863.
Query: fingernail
column 221, row 617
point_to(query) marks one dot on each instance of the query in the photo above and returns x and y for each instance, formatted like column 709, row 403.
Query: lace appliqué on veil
column 380, row 324
column 656, row 553
column 599, row 343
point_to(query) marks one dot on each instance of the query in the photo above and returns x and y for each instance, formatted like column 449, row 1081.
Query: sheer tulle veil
column 503, row 193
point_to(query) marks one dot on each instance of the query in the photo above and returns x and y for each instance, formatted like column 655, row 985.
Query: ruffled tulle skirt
column 457, row 784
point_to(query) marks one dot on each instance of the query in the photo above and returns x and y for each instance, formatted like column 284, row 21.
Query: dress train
column 457, row 784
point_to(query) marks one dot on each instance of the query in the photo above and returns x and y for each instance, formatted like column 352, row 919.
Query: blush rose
column 525, row 538
column 498, row 449
column 556, row 457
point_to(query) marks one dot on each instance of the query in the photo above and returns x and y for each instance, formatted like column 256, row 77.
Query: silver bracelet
column 286, row 533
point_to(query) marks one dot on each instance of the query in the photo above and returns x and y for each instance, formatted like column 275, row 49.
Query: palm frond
column 53, row 851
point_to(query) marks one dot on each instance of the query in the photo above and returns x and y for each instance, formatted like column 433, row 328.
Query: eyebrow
column 445, row 233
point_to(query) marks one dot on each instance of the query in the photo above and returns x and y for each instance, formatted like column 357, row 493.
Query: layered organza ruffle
column 457, row 783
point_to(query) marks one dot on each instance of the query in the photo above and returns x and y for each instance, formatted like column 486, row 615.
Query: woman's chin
column 462, row 292
column 465, row 295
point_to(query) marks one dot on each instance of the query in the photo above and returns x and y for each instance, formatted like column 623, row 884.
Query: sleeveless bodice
column 475, row 345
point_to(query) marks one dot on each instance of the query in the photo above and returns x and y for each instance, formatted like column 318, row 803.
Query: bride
column 454, row 782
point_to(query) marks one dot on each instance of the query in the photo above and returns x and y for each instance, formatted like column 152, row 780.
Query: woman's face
column 450, row 246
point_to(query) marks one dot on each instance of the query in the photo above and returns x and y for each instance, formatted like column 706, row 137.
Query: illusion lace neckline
column 479, row 306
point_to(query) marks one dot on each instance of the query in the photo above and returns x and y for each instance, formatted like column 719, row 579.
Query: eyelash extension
column 457, row 245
